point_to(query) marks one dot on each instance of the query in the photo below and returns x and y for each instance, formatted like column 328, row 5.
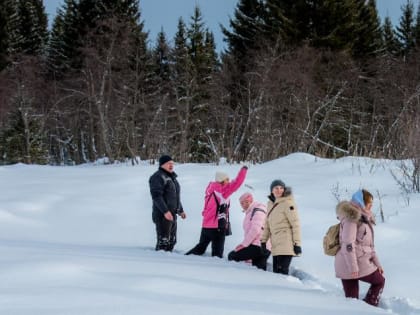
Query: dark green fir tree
column 287, row 21
column 405, row 29
column 246, row 29
column 333, row 24
column 22, row 140
column 5, row 9
column 390, row 43
column 28, row 32
column 417, row 28
column 367, row 36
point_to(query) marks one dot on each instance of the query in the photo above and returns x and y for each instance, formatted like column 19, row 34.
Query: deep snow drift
column 79, row 240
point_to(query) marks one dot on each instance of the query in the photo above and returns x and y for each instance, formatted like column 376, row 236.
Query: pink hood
column 222, row 192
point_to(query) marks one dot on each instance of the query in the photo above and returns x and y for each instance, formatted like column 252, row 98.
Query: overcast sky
column 165, row 13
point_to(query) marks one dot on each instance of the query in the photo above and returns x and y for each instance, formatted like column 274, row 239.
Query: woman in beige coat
column 282, row 227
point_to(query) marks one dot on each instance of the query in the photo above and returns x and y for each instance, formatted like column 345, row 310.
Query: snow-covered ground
column 80, row 240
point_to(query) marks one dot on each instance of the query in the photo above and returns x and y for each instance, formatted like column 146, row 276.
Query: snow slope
column 79, row 240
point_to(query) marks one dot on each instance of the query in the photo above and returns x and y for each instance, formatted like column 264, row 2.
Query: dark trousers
column 281, row 264
column 253, row 252
column 208, row 235
column 377, row 283
column 165, row 233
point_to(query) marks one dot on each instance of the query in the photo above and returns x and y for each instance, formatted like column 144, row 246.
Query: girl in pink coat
column 357, row 260
column 217, row 197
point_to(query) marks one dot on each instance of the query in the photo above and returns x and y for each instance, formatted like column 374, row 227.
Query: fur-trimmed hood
column 346, row 209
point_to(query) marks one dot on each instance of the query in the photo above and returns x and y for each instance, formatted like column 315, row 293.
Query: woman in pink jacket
column 217, row 197
column 253, row 224
column 357, row 260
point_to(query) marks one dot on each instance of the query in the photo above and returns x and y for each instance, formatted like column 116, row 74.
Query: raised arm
column 234, row 185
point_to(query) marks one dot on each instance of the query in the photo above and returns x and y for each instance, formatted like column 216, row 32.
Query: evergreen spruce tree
column 351, row 25
column 38, row 39
column 389, row 40
column 160, row 81
column 244, row 41
column 77, row 18
column 196, row 37
column 65, row 40
column 14, row 37
column 27, row 28
column 201, row 49
column 246, row 28
column 92, row 12
column 5, row 8
column 22, row 141
column 181, row 62
column 367, row 36
column 124, row 12
column 287, row 21
column 201, row 52
column 210, row 49
column 117, row 53
column 405, row 29
column 333, row 24
column 124, row 9
column 182, row 79
column 417, row 28
column 161, row 55
column 104, row 39
column 25, row 24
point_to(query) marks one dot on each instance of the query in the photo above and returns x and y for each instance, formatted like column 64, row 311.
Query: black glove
column 297, row 250
column 264, row 247
column 266, row 253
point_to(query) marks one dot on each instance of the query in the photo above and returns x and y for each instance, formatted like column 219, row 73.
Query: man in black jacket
column 165, row 191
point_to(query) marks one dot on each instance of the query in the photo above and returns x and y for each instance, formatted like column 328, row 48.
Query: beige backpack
column 331, row 240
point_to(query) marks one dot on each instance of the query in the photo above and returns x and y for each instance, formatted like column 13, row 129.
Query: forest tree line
column 324, row 77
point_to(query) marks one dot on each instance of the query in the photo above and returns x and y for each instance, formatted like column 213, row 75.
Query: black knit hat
column 277, row 182
column 163, row 159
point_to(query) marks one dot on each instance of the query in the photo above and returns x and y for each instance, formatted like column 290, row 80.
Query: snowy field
column 80, row 240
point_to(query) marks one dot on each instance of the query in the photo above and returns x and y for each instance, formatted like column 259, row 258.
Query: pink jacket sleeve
column 234, row 185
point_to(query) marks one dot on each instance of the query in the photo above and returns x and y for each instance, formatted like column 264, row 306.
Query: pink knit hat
column 246, row 196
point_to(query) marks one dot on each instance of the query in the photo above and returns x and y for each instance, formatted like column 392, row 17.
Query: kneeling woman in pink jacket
column 357, row 260
column 253, row 225
column 216, row 198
